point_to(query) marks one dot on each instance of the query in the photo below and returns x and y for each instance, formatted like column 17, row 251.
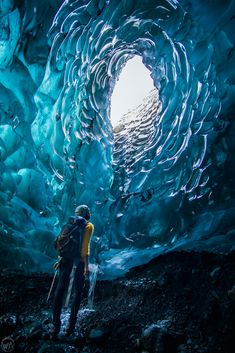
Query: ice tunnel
column 165, row 178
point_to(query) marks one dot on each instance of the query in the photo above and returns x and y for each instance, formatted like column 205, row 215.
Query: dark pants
column 63, row 282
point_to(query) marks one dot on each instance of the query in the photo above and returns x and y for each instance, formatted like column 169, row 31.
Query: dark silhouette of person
column 80, row 264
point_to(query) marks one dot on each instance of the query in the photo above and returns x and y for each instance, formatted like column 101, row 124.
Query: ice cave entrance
column 133, row 85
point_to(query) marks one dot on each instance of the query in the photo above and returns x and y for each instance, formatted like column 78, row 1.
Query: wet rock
column 97, row 336
column 46, row 321
column 153, row 338
column 86, row 350
column 46, row 335
column 35, row 333
column 8, row 324
column 195, row 271
column 190, row 347
column 215, row 295
column 215, row 272
column 131, row 309
column 158, row 338
column 35, row 327
column 183, row 348
column 56, row 348
column 162, row 280
column 231, row 293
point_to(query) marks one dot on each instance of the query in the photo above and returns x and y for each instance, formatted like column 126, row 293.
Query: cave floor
column 179, row 302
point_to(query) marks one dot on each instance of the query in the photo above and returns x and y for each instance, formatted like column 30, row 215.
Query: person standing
column 74, row 251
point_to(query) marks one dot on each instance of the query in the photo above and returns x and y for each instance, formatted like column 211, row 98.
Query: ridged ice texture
column 146, row 182
column 90, row 42
column 134, row 140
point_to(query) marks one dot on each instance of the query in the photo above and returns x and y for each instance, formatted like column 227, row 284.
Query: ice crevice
column 164, row 178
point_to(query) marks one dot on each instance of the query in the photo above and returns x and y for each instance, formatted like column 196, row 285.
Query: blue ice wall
column 27, row 209
column 163, row 181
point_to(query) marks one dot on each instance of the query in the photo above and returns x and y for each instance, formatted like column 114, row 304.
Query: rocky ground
column 179, row 302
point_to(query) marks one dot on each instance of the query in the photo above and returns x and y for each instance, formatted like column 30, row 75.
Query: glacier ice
column 165, row 178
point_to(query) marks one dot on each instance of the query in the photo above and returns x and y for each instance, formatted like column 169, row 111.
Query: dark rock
column 46, row 321
column 231, row 293
column 36, row 326
column 162, row 280
column 8, row 324
column 215, row 272
column 152, row 338
column 36, row 332
column 97, row 336
column 156, row 338
column 86, row 350
column 129, row 310
column 56, row 348
column 35, row 335
column 45, row 335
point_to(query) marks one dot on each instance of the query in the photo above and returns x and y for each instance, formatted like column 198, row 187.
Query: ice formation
column 163, row 180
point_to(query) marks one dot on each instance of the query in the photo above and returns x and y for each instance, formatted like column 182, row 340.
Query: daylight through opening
column 133, row 85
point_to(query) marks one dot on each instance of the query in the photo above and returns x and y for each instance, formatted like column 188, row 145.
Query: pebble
column 96, row 335
column 215, row 271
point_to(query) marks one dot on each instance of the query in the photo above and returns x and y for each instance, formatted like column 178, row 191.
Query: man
column 66, row 263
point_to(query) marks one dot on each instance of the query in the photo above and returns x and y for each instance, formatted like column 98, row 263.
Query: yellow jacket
column 89, row 229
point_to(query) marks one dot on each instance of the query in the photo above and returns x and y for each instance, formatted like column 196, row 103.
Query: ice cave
column 159, row 182
column 166, row 179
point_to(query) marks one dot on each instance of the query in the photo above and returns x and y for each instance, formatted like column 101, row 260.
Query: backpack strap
column 68, row 235
column 81, row 224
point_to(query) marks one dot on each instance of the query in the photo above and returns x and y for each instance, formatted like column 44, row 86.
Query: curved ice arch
column 89, row 45
column 175, row 171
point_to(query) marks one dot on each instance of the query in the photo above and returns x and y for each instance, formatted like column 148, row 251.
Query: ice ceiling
column 165, row 178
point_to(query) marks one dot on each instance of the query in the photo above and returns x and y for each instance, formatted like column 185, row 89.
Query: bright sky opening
column 133, row 86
